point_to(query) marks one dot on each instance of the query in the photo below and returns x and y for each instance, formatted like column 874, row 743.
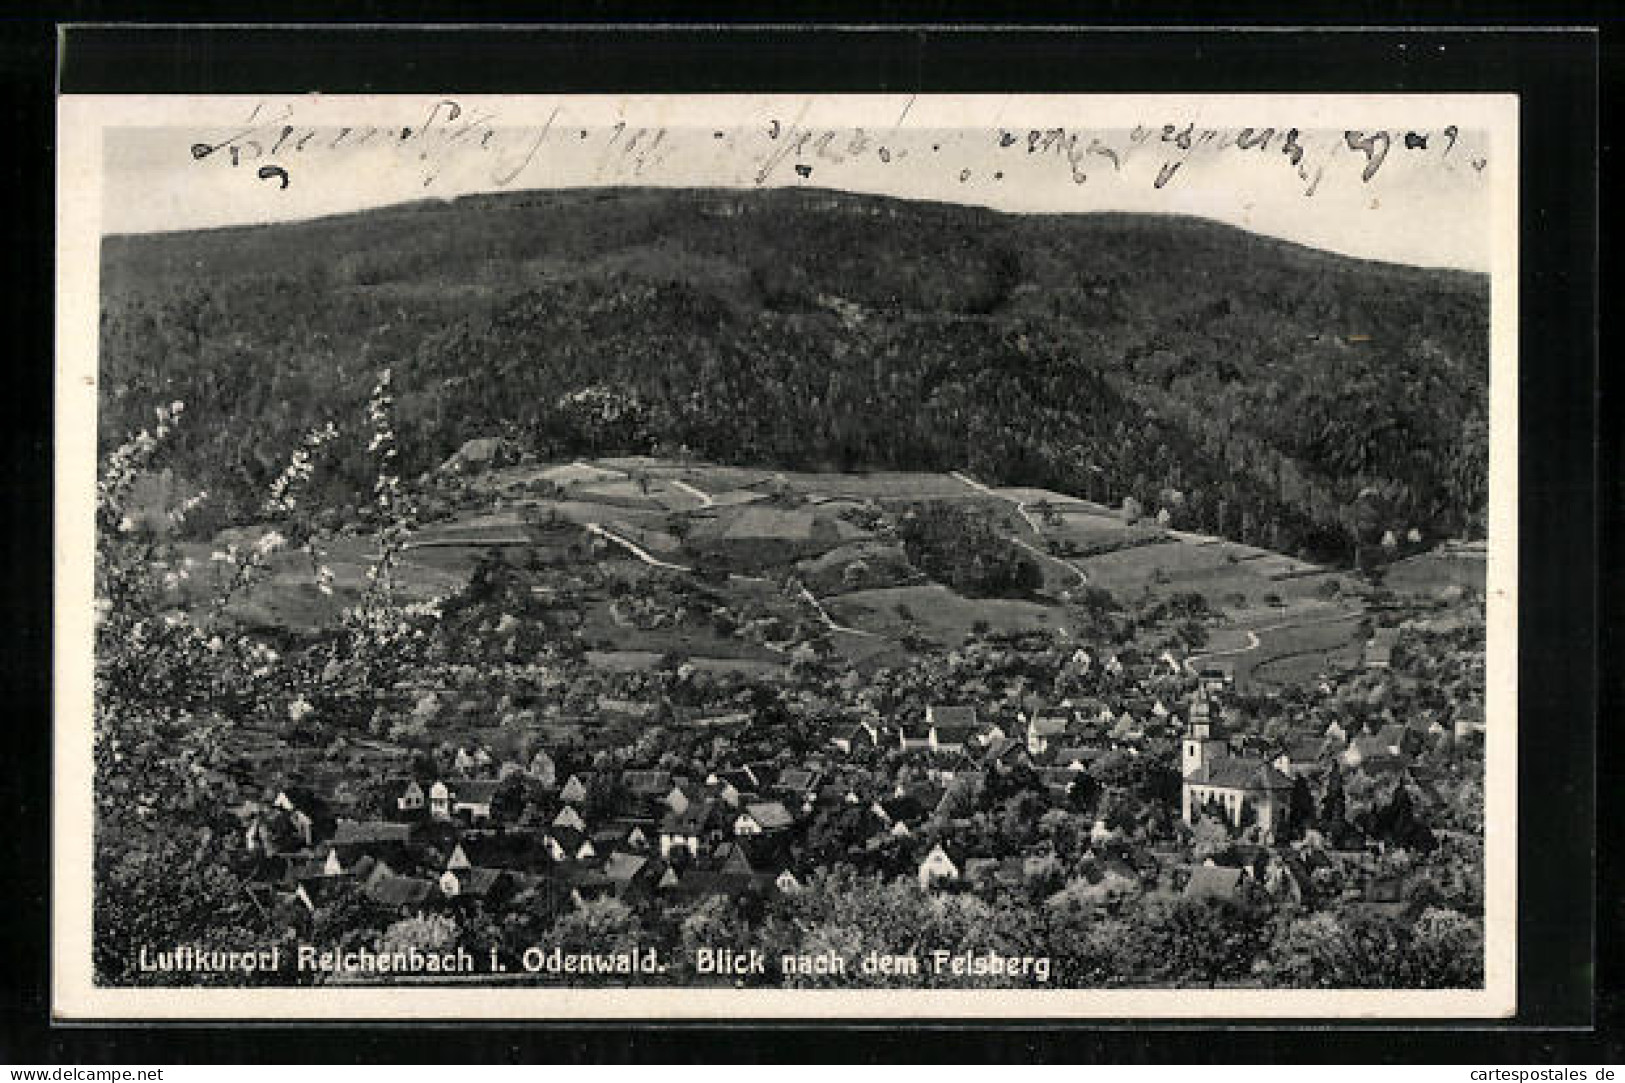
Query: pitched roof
column 621, row 867
column 370, row 832
column 568, row 838
column 1050, row 724
column 647, row 782
column 1080, row 753
column 1239, row 773
column 1307, row 750
column 400, row 890
column 691, row 820
column 477, row 881
column 952, row 717
column 474, row 791
column 1373, row 748
column 772, row 815
column 906, row 807
column 798, row 780
column 1002, row 747
column 741, row 779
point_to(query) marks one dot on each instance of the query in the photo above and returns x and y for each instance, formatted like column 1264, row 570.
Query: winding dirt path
column 829, row 621
column 1021, row 510
column 635, row 549
column 1193, row 663
column 706, row 499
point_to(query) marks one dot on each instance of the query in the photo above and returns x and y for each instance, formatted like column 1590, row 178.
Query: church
column 1243, row 790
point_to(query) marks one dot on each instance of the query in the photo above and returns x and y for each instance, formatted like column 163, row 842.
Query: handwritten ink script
column 273, row 146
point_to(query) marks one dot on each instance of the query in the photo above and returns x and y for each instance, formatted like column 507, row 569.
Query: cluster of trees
column 961, row 548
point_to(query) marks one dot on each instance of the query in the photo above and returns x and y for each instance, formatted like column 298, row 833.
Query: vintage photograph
column 797, row 556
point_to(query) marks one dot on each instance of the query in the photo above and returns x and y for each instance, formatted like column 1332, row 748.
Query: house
column 606, row 839
column 1303, row 758
column 1075, row 759
column 677, row 800
column 1379, row 650
column 950, row 729
column 865, row 735
column 569, row 817
column 1214, row 680
column 411, row 799
column 541, row 767
column 472, row 883
column 787, row 883
column 303, row 824
column 1372, row 753
column 689, row 830
column 742, row 780
column 938, row 867
column 1005, row 752
column 636, row 833
column 1059, row 780
column 1399, row 740
column 624, row 872
column 587, row 884
column 903, row 809
column 376, row 838
column 440, row 801
column 647, row 783
column 472, row 798
column 567, row 844
column 400, row 893
column 913, row 738
column 1045, row 729
column 317, row 892
column 960, row 796
column 763, row 818
column 798, row 784
column 574, row 791
column 764, row 773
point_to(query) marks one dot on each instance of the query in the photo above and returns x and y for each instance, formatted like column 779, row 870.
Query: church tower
column 1201, row 746
column 1201, row 750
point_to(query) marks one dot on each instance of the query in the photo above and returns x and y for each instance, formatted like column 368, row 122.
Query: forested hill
column 1108, row 355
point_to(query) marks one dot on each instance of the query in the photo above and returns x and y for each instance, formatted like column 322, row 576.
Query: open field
column 1265, row 649
column 937, row 613
column 1430, row 572
column 1295, row 655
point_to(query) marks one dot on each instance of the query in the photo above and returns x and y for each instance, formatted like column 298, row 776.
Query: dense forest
column 1250, row 387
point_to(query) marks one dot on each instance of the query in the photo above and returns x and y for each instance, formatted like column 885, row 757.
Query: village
column 1151, row 777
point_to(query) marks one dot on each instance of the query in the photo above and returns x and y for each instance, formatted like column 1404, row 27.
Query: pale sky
column 1428, row 202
